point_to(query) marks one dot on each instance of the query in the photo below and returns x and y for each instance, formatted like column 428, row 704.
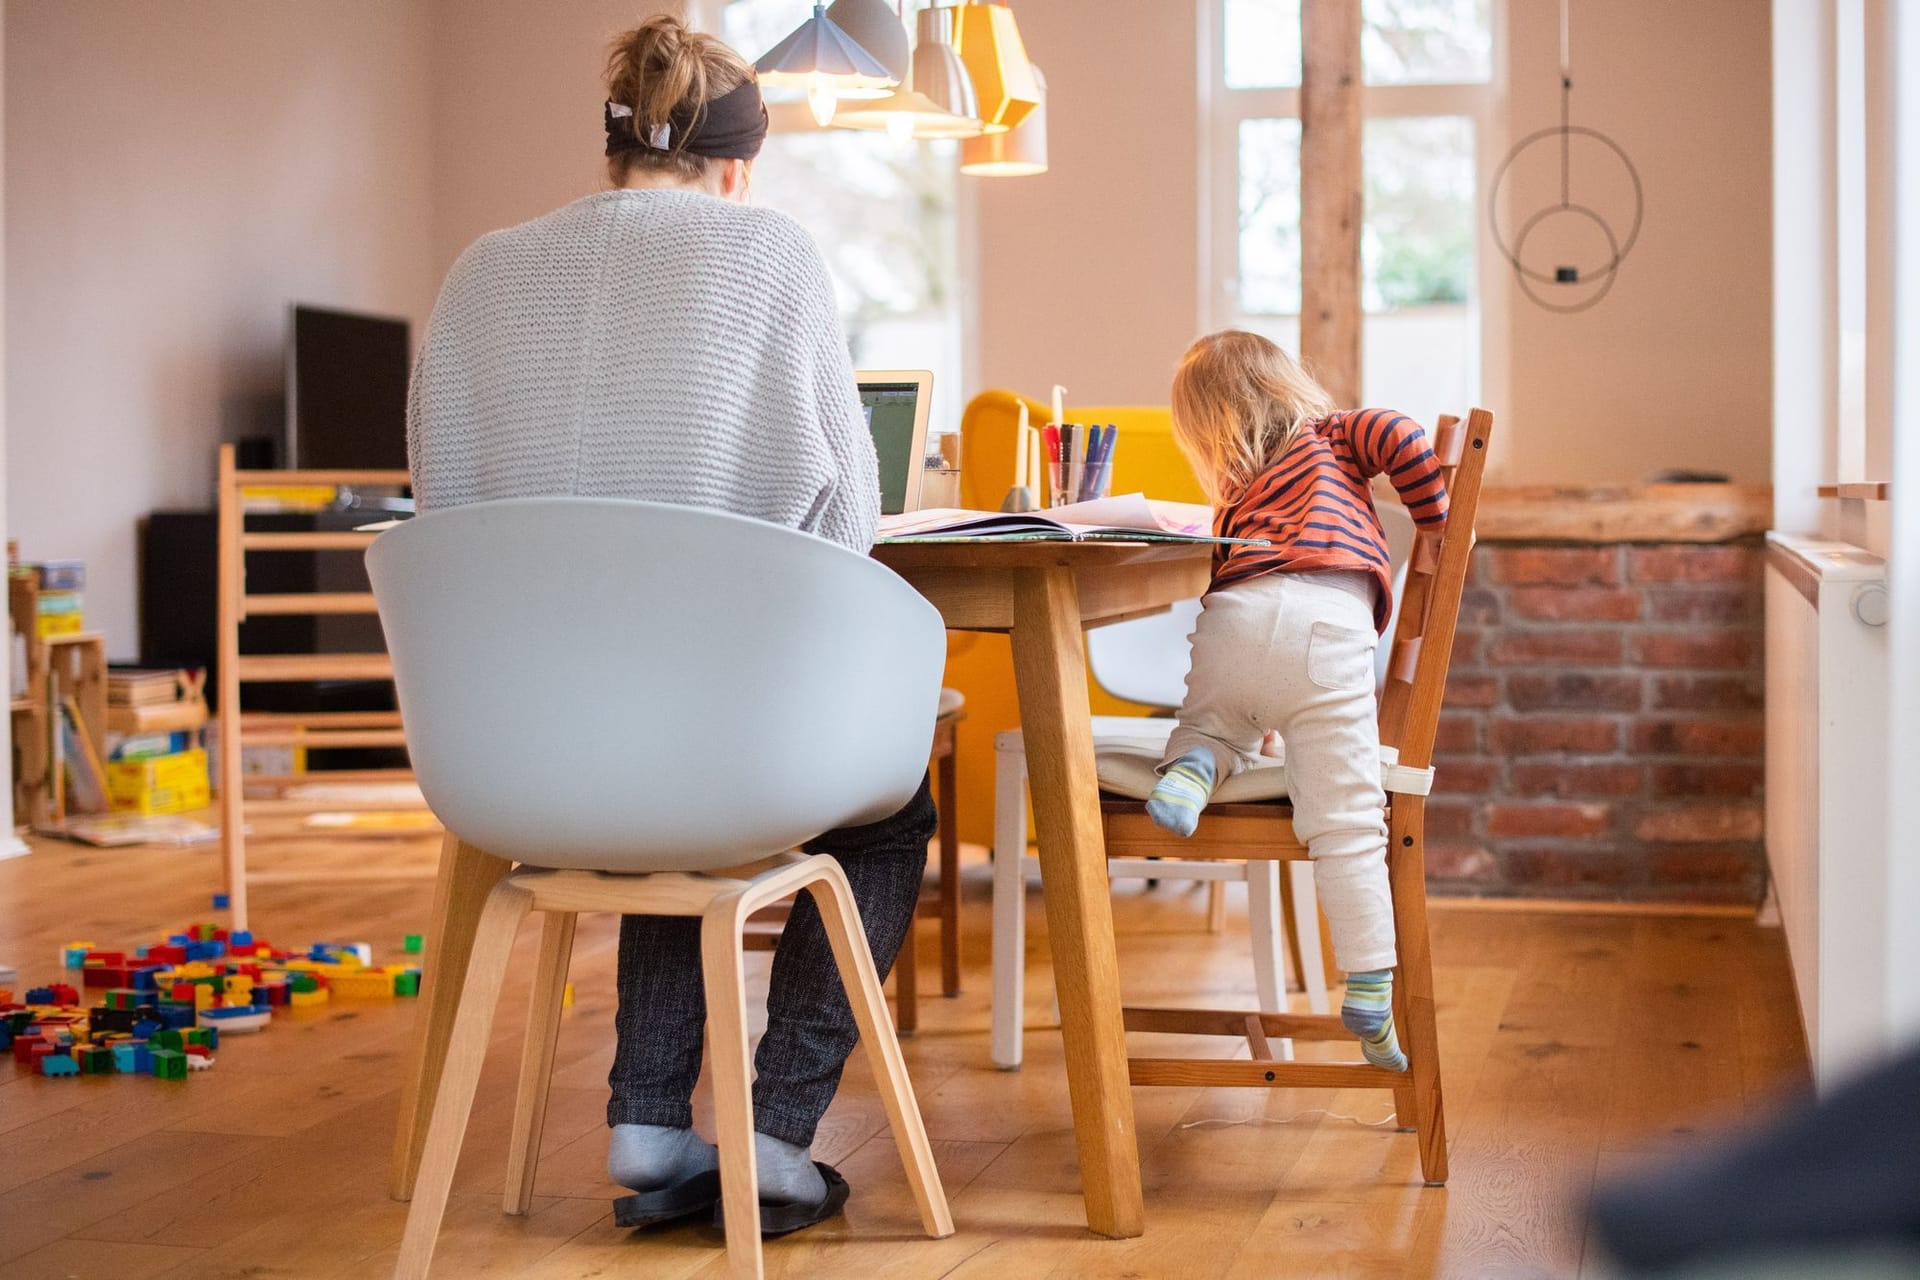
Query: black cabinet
column 179, row 611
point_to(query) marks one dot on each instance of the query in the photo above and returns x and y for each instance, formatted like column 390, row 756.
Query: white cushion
column 1127, row 752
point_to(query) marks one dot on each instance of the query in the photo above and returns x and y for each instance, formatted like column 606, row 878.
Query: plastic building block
column 94, row 1059
column 219, row 902
column 412, row 944
column 406, row 982
column 166, row 1038
column 199, row 1061
column 240, row 941
column 133, row 1057
column 74, row 954
column 58, row 1064
column 371, row 985
column 40, row 995
column 169, row 1064
column 566, row 996
column 306, row 999
column 125, row 998
column 235, row 1019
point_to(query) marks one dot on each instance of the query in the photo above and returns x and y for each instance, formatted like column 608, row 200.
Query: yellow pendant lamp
column 935, row 101
column 988, row 42
column 1020, row 152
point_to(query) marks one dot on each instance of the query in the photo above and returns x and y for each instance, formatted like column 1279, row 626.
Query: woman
column 663, row 341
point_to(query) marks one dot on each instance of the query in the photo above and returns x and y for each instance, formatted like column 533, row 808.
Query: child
column 1286, row 635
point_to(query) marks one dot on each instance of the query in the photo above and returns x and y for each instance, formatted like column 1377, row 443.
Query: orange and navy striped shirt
column 1314, row 507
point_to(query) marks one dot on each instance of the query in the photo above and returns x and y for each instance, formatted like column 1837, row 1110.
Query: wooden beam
column 1330, row 195
column 1625, row 513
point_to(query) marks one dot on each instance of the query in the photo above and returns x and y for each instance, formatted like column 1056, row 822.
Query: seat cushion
column 1127, row 762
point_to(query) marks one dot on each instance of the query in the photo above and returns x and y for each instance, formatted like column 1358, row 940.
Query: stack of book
column 156, row 762
column 58, row 605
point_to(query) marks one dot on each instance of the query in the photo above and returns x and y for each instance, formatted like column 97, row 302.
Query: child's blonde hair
column 1238, row 403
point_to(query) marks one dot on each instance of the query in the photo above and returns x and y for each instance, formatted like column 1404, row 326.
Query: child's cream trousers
column 1293, row 653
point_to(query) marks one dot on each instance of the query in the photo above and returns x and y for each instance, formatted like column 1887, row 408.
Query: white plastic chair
column 1146, row 661
column 646, row 695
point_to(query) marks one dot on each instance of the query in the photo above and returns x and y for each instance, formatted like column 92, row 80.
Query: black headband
column 731, row 127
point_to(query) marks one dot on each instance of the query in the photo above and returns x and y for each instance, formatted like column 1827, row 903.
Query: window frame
column 1223, row 109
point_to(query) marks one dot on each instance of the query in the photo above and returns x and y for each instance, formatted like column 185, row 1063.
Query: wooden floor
column 1574, row 1045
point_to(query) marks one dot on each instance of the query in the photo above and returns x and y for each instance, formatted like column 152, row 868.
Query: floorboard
column 1575, row 1046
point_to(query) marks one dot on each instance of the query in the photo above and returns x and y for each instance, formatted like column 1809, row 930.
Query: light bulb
column 900, row 127
column 822, row 99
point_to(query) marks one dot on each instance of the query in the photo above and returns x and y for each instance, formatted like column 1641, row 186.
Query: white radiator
column 1826, row 788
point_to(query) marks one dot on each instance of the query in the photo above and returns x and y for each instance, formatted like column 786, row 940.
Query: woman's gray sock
column 646, row 1157
column 786, row 1172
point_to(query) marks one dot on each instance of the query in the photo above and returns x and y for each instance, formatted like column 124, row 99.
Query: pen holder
column 1084, row 471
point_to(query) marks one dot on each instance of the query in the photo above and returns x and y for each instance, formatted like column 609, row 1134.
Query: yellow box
column 49, row 625
column 160, row 784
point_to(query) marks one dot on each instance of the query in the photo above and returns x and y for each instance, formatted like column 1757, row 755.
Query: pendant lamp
column 826, row 62
column 877, row 28
column 1018, row 153
column 935, row 101
column 988, row 42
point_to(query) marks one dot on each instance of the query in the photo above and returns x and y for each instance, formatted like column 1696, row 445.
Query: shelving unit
column 58, row 668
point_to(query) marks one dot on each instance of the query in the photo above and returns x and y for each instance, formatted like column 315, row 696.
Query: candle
column 1059, row 400
column 1020, row 476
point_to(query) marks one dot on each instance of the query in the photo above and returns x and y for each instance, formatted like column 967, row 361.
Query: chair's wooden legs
column 474, row 1004
column 720, row 959
column 841, row 916
column 1009, row 909
column 536, row 1057
column 906, row 980
column 467, row 875
column 1216, row 906
column 1406, row 855
column 1265, row 929
column 1303, row 915
column 949, row 806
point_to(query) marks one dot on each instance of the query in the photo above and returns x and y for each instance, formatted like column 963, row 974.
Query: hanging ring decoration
column 1532, row 280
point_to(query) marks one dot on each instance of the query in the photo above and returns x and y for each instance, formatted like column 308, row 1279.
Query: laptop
column 896, row 403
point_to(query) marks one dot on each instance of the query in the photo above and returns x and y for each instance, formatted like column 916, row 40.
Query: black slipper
column 784, row 1217
column 677, row 1200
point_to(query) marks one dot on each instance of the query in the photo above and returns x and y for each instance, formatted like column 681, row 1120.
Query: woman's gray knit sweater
column 654, row 344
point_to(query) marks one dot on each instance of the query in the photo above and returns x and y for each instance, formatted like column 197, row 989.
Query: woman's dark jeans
column 810, row 1027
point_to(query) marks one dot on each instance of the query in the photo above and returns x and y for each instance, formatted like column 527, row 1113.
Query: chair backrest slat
column 1430, row 605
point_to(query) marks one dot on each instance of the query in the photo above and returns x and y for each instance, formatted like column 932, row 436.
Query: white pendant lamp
column 1018, row 153
column 826, row 62
column 935, row 101
column 876, row 27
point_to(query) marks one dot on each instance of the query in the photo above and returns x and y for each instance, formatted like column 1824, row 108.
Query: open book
column 1130, row 518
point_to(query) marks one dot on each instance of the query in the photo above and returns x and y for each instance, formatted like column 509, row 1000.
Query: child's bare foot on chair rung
column 1176, row 802
column 1368, row 1013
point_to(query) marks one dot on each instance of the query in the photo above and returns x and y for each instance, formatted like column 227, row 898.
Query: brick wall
column 1602, row 730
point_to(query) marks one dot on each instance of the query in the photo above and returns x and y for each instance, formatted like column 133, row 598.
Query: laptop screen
column 892, row 410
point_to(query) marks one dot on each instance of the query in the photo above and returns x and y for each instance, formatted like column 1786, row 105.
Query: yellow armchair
column 1145, row 460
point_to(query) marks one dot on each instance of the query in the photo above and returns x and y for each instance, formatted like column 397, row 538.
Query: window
column 882, row 212
column 1429, row 68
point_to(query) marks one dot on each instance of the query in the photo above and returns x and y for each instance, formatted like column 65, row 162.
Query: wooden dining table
column 1043, row 595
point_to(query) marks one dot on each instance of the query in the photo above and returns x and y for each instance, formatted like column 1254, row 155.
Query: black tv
column 346, row 390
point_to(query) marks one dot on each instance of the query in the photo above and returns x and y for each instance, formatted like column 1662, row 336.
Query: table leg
column 467, row 875
column 1050, row 668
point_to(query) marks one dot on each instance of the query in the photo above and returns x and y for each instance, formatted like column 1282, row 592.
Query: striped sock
column 1176, row 803
column 1368, row 1013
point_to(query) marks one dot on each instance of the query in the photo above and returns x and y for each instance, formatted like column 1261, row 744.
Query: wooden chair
column 1263, row 830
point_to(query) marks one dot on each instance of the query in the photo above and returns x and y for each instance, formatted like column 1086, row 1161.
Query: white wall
column 516, row 109
column 1902, row 446
column 9, row 843
column 176, row 175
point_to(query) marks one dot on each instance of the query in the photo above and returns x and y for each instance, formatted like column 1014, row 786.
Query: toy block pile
column 164, row 1006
